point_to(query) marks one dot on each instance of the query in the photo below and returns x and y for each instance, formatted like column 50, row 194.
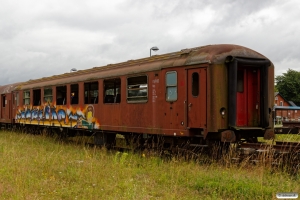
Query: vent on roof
column 185, row 51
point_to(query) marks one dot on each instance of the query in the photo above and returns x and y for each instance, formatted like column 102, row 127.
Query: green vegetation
column 288, row 137
column 288, row 84
column 38, row 167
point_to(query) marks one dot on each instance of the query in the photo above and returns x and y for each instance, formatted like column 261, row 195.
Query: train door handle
column 190, row 104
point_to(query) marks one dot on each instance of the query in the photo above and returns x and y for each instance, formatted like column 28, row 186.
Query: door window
column 3, row 101
column 195, row 84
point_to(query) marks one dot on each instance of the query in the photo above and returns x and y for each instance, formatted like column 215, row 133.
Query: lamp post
column 153, row 49
column 73, row 70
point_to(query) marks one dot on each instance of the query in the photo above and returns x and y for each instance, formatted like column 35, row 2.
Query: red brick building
column 289, row 114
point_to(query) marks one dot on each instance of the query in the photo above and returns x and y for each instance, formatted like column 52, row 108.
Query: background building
column 287, row 114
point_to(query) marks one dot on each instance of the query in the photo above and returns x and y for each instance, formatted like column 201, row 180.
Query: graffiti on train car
column 58, row 116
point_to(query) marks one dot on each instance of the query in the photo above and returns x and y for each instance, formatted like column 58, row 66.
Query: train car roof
column 205, row 54
column 4, row 89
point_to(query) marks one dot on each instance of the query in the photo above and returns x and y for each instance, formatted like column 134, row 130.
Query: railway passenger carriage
column 215, row 92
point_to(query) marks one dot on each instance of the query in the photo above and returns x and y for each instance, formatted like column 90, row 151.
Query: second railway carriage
column 7, row 104
column 215, row 92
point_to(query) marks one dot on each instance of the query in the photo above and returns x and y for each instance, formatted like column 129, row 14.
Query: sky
column 44, row 38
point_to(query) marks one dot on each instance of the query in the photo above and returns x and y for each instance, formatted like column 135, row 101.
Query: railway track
column 281, row 155
column 278, row 147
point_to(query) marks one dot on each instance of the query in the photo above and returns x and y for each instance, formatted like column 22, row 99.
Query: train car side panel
column 217, row 97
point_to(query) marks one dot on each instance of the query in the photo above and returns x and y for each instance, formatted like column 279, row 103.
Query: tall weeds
column 38, row 167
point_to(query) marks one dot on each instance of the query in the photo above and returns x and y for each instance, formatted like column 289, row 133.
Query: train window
column 137, row 89
column 240, row 81
column 74, row 94
column 61, row 95
column 37, row 97
column 91, row 93
column 195, row 84
column 26, row 97
column 112, row 91
column 48, row 95
column 171, row 86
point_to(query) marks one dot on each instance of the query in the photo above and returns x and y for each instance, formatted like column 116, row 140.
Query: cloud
column 44, row 38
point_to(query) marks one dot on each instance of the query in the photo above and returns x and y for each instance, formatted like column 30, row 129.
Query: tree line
column 288, row 85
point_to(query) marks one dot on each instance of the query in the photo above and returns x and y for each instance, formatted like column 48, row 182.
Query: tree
column 288, row 85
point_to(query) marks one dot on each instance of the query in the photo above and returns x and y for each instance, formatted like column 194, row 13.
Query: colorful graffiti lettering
column 58, row 116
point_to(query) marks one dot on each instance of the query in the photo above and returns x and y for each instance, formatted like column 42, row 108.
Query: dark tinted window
column 195, row 84
column 74, row 94
column 112, row 91
column 91, row 93
column 61, row 95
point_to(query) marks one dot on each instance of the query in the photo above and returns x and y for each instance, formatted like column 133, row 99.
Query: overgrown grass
column 37, row 167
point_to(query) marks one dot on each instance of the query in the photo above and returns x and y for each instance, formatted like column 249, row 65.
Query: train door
column 196, row 98
column 15, row 103
column 248, row 97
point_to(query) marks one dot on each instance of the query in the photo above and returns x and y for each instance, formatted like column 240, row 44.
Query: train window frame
column 61, row 95
column 112, row 91
column 26, row 98
column 91, row 95
column 195, row 85
column 36, row 97
column 137, row 83
column 171, row 86
column 48, row 96
column 74, row 94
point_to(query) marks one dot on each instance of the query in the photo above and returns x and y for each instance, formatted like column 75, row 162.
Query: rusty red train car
column 209, row 93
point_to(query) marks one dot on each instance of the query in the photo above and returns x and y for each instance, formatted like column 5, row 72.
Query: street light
column 73, row 70
column 153, row 49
